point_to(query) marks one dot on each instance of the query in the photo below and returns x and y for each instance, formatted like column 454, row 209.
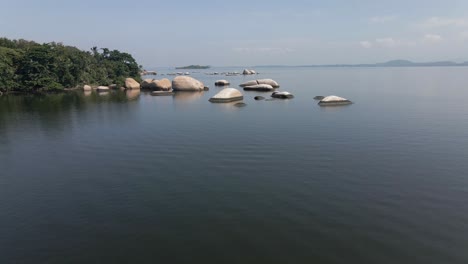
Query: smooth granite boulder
column 130, row 83
column 259, row 87
column 147, row 84
column 334, row 100
column 282, row 95
column 163, row 85
column 221, row 83
column 271, row 82
column 227, row 95
column 249, row 83
column 186, row 83
column 87, row 88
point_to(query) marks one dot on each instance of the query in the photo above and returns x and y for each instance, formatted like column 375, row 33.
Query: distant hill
column 193, row 67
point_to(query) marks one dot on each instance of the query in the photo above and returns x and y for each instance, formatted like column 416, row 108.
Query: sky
column 245, row 32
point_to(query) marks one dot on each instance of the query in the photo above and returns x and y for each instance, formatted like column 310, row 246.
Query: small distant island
column 193, row 67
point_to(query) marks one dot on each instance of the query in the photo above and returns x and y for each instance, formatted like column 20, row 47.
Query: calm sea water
column 131, row 178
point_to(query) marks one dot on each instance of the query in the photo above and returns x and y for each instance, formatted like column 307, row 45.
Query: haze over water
column 108, row 179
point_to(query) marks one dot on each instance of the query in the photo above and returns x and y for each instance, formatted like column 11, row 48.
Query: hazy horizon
column 167, row 34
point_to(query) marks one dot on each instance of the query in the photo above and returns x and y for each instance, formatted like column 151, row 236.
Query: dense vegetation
column 27, row 66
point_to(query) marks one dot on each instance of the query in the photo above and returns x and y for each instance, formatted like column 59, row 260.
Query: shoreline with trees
column 30, row 67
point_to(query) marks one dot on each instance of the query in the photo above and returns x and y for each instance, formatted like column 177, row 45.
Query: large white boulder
column 334, row 100
column 87, row 88
column 186, row 83
column 227, row 95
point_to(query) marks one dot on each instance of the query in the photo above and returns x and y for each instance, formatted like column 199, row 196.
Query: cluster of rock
column 157, row 85
column 264, row 85
column 248, row 72
column 145, row 72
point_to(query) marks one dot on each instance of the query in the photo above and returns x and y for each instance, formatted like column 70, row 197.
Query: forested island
column 27, row 66
column 193, row 67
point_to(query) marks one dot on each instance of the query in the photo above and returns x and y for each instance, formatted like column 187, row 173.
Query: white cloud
column 382, row 19
column 366, row 44
column 437, row 22
column 432, row 38
column 387, row 43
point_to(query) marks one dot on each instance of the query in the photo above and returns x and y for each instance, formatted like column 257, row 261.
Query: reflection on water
column 133, row 94
column 188, row 96
column 87, row 93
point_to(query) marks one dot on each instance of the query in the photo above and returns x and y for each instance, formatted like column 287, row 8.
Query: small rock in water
column 282, row 95
column 258, row 98
column 334, row 100
column 240, row 105
column 319, row 97
column 206, row 88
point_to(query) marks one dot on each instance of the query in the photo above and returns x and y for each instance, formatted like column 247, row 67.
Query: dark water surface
column 131, row 178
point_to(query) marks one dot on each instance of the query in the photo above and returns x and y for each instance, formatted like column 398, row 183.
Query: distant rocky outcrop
column 227, row 95
column 130, row 83
column 186, row 83
column 319, row 97
column 334, row 100
column 248, row 72
column 271, row 82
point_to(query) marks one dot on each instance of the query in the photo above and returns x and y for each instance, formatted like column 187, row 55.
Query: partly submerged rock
column 227, row 95
column 186, row 83
column 334, row 100
column 240, row 105
column 87, row 88
column 130, row 83
column 282, row 95
column 259, row 87
column 258, row 98
column 221, row 83
column 102, row 88
column 319, row 97
column 206, row 88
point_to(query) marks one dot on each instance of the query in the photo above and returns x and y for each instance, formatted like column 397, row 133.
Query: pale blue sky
column 241, row 32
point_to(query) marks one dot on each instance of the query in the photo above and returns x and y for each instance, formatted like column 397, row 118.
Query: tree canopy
column 28, row 66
